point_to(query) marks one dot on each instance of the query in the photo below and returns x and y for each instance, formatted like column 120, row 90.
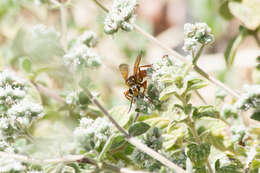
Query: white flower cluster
column 120, row 16
column 44, row 31
column 195, row 35
column 12, row 88
column 166, row 73
column 238, row 132
column 81, row 54
column 25, row 111
column 16, row 109
column 89, row 38
column 10, row 165
column 92, row 133
column 250, row 99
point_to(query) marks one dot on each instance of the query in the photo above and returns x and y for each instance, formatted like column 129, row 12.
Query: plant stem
column 195, row 59
column 133, row 140
column 48, row 92
column 177, row 55
column 200, row 97
column 257, row 38
column 68, row 159
column 101, row 6
column 63, row 15
column 216, row 82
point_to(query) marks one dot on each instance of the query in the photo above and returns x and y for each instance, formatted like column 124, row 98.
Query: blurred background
column 162, row 18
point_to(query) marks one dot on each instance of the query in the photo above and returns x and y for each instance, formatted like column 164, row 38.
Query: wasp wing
column 137, row 62
column 124, row 70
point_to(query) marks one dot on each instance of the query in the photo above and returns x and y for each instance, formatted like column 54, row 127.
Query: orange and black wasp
column 136, row 84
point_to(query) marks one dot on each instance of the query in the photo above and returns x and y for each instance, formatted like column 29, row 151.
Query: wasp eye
column 130, row 91
column 138, row 87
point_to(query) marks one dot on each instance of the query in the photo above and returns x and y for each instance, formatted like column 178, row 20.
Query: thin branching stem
column 177, row 55
column 48, row 92
column 68, row 159
column 257, row 38
column 63, row 18
column 142, row 147
column 200, row 97
column 63, row 15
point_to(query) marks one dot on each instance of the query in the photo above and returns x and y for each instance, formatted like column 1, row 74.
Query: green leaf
column 198, row 153
column 160, row 122
column 205, row 111
column 232, row 47
column 255, row 164
column 199, row 169
column 247, row 12
column 216, row 140
column 106, row 147
column 118, row 141
column 26, row 65
column 233, row 167
column 83, row 98
column 138, row 128
column 196, row 84
column 167, row 92
column 39, row 47
column 224, row 10
column 256, row 115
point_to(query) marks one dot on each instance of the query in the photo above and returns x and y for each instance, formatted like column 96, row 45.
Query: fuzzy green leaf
column 83, row 99
column 256, row 115
column 167, row 92
column 198, row 153
column 247, row 12
column 26, row 65
column 224, row 11
column 205, row 111
column 232, row 47
column 233, row 167
column 138, row 128
column 195, row 84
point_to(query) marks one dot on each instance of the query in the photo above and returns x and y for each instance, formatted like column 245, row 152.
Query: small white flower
column 89, row 38
column 9, row 164
column 195, row 35
column 93, row 131
column 120, row 16
column 4, row 123
column 79, row 56
column 42, row 30
column 250, row 99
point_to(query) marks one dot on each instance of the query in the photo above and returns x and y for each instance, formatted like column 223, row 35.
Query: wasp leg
column 127, row 95
column 144, row 85
column 148, row 65
column 142, row 73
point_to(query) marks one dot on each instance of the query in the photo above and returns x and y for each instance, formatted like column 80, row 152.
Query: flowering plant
column 54, row 82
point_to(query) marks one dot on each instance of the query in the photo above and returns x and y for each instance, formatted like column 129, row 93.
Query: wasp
column 135, row 82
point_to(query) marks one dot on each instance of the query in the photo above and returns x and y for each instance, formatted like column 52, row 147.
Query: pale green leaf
column 247, row 12
column 138, row 128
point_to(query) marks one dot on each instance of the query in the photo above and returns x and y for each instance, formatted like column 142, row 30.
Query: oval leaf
column 247, row 12
column 26, row 65
column 231, row 49
column 138, row 128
